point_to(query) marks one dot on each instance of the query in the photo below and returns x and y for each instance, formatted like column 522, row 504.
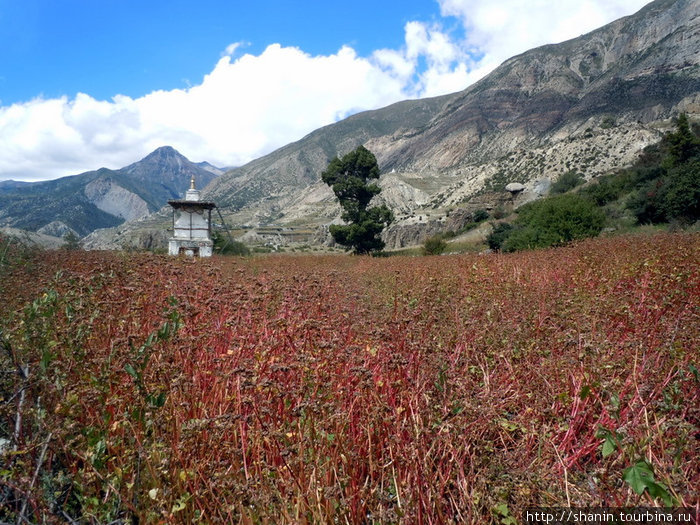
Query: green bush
column 608, row 122
column 435, row 245
column 674, row 197
column 568, row 181
column 71, row 241
column 500, row 233
column 225, row 246
column 554, row 221
column 549, row 222
column 668, row 188
column 681, row 193
column 481, row 215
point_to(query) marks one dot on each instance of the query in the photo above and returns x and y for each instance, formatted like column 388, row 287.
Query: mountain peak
column 164, row 152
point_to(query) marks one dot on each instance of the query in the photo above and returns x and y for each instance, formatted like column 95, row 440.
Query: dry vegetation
column 336, row 389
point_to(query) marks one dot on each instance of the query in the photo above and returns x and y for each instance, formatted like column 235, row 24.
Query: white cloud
column 252, row 104
column 243, row 109
column 231, row 48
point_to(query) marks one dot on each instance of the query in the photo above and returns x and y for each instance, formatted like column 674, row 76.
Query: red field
column 455, row 389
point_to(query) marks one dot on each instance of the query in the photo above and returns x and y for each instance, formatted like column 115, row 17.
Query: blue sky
column 92, row 83
column 133, row 47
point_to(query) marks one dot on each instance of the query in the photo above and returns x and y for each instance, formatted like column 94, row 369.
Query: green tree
column 71, row 241
column 350, row 178
column 480, row 215
column 683, row 144
column 225, row 246
column 500, row 233
column 670, row 190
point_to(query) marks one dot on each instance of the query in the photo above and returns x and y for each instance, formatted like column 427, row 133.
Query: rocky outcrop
column 410, row 233
column 57, row 229
column 420, row 228
column 33, row 239
column 148, row 233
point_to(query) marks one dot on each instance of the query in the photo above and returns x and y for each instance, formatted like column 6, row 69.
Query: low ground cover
column 322, row 389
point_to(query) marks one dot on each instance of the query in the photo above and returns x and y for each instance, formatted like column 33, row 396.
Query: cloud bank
column 249, row 105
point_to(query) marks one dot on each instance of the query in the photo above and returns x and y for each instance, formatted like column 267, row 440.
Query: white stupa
column 191, row 225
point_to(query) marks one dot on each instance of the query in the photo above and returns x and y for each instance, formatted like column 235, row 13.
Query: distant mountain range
column 102, row 198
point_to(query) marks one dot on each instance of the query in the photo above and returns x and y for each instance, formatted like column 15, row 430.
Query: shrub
column 500, row 233
column 681, row 193
column 225, row 246
column 554, row 221
column 435, row 245
column 568, row 181
column 558, row 220
column 71, row 241
column 674, row 197
column 481, row 215
column 608, row 122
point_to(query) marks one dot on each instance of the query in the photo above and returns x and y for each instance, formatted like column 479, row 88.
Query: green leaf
column 503, row 510
column 640, row 476
column 615, row 402
column 609, row 447
column 131, row 371
column 658, row 490
column 585, row 392
column 695, row 372
column 508, row 425
column 181, row 503
column 611, row 439
column 156, row 400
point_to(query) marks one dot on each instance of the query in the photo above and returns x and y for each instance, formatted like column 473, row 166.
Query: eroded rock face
column 115, row 200
column 421, row 228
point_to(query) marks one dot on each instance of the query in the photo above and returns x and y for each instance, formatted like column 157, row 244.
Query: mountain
column 99, row 199
column 590, row 104
column 7, row 184
column 211, row 168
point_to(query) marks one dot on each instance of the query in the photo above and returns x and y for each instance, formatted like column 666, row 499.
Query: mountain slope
column 589, row 104
column 102, row 198
column 297, row 164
